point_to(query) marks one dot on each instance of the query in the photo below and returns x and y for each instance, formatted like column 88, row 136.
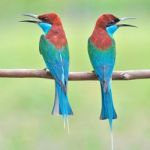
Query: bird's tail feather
column 61, row 103
column 108, row 110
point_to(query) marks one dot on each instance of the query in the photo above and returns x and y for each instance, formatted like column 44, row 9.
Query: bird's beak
column 125, row 25
column 34, row 19
column 126, row 18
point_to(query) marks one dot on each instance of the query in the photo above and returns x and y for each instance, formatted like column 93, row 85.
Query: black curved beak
column 126, row 25
column 34, row 19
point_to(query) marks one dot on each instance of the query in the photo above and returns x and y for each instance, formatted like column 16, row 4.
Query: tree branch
column 73, row 76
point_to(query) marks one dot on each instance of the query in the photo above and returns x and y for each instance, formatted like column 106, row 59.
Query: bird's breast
column 57, row 37
column 101, row 39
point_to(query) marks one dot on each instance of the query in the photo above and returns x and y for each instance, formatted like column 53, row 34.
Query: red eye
column 46, row 18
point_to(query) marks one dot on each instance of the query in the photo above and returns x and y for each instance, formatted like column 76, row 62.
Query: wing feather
column 57, row 61
column 102, row 61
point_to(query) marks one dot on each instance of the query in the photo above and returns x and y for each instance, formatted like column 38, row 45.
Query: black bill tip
column 33, row 16
column 31, row 21
column 126, row 25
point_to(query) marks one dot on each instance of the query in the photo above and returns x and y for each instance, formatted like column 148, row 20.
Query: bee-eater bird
column 53, row 47
column 102, row 53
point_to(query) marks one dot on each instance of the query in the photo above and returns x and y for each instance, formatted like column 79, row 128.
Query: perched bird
column 53, row 47
column 102, row 53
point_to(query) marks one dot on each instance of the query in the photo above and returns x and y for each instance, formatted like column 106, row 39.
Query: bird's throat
column 45, row 27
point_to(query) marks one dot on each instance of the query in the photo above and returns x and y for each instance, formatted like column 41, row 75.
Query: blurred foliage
column 25, row 104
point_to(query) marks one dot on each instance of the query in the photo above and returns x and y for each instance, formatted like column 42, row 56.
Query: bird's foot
column 47, row 71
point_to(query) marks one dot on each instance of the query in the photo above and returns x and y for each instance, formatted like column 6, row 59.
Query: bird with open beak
column 53, row 47
column 102, row 54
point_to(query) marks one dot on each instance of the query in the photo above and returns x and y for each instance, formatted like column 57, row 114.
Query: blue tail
column 108, row 110
column 61, row 103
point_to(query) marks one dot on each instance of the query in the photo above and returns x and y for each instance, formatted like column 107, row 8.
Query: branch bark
column 73, row 76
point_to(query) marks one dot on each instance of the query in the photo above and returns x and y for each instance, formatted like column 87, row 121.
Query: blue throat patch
column 111, row 30
column 46, row 27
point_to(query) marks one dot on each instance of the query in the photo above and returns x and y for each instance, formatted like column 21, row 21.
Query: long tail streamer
column 66, row 124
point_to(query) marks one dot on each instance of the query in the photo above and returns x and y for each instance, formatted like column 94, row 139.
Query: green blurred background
column 26, row 104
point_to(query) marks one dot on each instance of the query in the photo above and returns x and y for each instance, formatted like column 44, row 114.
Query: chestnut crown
column 50, row 18
column 106, row 20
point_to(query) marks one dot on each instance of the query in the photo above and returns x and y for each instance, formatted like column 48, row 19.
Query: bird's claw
column 47, row 71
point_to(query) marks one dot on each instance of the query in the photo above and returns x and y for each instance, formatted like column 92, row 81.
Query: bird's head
column 110, row 23
column 45, row 21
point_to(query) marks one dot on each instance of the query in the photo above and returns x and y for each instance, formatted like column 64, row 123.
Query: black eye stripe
column 113, row 22
column 116, row 20
column 44, row 18
column 110, row 23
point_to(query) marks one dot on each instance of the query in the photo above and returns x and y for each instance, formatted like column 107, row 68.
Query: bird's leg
column 47, row 71
column 93, row 71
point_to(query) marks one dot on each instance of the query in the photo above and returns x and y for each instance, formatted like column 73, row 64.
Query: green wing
column 56, row 60
column 102, row 61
